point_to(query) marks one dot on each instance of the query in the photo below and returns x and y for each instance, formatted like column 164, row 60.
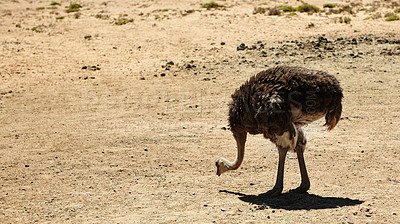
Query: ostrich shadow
column 295, row 201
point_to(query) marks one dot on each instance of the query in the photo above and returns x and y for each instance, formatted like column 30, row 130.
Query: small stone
column 222, row 209
column 241, row 47
column 142, row 78
column 368, row 215
column 364, row 209
column 170, row 63
column 322, row 39
column 26, row 165
column 145, row 149
column 93, row 68
column 162, row 74
column 222, row 43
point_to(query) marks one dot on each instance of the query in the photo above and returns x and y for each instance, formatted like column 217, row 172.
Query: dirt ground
column 107, row 123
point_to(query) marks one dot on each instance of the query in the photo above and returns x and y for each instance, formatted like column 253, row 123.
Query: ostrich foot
column 274, row 192
column 303, row 188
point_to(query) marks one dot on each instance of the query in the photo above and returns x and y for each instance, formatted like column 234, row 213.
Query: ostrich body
column 276, row 103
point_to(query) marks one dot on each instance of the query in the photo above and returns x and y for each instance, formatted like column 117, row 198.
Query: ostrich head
column 221, row 166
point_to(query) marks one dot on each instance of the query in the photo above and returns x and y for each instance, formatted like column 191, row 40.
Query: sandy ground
column 106, row 123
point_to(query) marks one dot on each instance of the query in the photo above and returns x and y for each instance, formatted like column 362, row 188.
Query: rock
column 91, row 68
column 241, row 47
column 322, row 39
column 94, row 68
column 364, row 209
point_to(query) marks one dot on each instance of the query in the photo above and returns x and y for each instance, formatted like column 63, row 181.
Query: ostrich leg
column 277, row 189
column 284, row 143
column 300, row 147
column 223, row 164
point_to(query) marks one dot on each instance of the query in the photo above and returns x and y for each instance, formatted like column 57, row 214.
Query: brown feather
column 265, row 103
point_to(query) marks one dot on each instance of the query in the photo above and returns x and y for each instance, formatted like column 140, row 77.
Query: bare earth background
column 106, row 123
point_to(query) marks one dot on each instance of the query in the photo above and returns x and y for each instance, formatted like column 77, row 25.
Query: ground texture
column 117, row 112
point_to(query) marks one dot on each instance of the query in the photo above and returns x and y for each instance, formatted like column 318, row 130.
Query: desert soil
column 107, row 123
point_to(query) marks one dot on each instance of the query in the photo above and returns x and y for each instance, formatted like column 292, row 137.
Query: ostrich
column 276, row 103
